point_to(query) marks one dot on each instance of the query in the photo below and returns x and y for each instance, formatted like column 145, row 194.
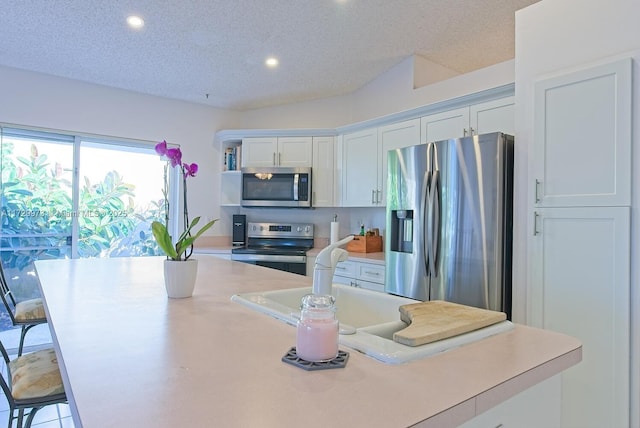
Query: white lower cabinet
column 360, row 274
column 536, row 407
column 580, row 286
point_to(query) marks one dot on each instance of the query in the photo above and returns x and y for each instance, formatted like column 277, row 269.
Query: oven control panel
column 280, row 230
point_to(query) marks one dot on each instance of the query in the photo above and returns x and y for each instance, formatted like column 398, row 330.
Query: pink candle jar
column 317, row 335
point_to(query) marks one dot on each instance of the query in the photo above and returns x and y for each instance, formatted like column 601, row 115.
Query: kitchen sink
column 369, row 319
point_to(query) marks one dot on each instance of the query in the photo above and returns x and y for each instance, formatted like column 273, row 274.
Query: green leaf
column 163, row 239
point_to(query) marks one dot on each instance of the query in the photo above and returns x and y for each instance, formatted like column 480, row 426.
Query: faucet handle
column 338, row 255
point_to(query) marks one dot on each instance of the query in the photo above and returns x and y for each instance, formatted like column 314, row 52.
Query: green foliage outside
column 36, row 202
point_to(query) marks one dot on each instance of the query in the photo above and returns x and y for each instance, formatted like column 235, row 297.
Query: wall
column 547, row 42
column 39, row 100
column 389, row 93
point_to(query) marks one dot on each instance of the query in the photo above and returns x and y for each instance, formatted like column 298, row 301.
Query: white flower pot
column 180, row 277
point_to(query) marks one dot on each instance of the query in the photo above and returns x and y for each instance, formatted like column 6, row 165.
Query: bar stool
column 26, row 314
column 32, row 381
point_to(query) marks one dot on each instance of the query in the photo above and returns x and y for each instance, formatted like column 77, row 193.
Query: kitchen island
column 130, row 356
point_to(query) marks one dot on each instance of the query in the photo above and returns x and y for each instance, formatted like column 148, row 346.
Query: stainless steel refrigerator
column 449, row 221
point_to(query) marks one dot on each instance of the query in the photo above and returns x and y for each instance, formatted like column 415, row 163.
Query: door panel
column 581, row 288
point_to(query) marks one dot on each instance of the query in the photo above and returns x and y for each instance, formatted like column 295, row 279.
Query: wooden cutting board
column 437, row 320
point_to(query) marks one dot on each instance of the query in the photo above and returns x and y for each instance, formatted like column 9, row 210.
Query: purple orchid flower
column 175, row 156
column 161, row 148
column 190, row 170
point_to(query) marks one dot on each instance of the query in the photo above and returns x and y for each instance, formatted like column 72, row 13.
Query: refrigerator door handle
column 424, row 214
column 434, row 223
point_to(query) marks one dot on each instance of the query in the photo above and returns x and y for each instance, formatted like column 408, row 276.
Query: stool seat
column 35, row 375
column 30, row 310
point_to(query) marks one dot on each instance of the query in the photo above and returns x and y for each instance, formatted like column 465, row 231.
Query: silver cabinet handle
column 464, row 132
column 279, row 158
column 366, row 272
column 537, row 191
column 535, row 223
column 471, row 131
column 378, row 198
column 274, row 158
column 373, row 197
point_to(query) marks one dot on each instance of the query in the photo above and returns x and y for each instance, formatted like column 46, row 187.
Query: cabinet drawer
column 346, row 269
column 346, row 280
column 369, row 285
column 370, row 272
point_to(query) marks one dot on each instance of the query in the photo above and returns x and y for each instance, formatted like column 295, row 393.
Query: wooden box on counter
column 365, row 244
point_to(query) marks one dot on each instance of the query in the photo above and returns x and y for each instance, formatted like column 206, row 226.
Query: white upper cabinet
column 491, row 116
column 295, row 151
column 582, row 138
column 445, row 125
column 361, row 169
column 277, row 151
column 323, row 172
column 396, row 136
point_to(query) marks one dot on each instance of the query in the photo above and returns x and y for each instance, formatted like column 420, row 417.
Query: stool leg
column 22, row 335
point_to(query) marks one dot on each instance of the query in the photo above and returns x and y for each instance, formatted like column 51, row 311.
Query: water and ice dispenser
column 402, row 231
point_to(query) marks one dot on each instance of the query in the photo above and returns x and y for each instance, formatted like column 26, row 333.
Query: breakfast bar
column 130, row 356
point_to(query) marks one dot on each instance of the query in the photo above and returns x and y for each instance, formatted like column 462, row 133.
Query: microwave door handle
column 295, row 186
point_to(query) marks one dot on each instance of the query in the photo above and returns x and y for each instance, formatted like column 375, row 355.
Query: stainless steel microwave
column 276, row 187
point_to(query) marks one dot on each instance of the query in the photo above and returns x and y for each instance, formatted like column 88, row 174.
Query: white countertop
column 132, row 357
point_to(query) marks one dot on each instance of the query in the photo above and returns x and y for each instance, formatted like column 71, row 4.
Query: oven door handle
column 268, row 258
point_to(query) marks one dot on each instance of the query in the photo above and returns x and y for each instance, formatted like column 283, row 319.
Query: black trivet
column 340, row 361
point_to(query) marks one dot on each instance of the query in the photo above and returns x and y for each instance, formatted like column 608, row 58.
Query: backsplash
column 349, row 218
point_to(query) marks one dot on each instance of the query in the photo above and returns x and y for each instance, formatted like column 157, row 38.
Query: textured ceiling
column 191, row 48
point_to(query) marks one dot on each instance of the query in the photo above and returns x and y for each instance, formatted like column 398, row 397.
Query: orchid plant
column 183, row 247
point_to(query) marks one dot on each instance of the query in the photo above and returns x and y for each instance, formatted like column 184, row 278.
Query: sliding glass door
column 120, row 196
column 67, row 196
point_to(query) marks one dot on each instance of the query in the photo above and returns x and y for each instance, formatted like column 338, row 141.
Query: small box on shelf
column 365, row 244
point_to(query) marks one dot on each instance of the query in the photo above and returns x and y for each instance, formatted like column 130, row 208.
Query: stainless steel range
column 278, row 246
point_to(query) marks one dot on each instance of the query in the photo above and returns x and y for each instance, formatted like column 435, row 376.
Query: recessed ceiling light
column 271, row 62
column 135, row 21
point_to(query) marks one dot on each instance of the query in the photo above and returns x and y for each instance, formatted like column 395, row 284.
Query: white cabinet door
column 493, row 116
column 581, row 287
column 396, row 136
column 259, row 151
column 360, row 169
column 445, row 125
column 295, row 152
column 277, row 151
column 582, row 137
column 324, row 171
